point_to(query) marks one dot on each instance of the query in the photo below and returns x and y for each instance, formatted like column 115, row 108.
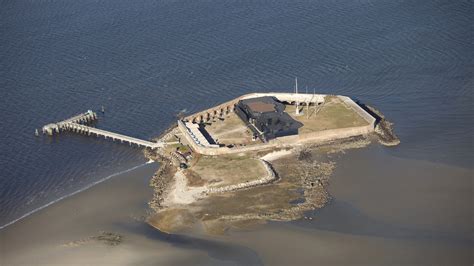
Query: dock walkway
column 78, row 123
column 86, row 130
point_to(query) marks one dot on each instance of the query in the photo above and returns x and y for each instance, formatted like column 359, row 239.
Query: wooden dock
column 78, row 124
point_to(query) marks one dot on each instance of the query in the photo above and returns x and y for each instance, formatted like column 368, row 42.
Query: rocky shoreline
column 161, row 179
column 168, row 167
column 383, row 128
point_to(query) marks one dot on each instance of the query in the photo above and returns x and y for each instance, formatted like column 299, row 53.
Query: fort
column 323, row 118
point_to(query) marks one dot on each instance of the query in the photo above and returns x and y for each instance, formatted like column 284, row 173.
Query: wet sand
column 385, row 211
column 116, row 205
column 413, row 193
column 419, row 214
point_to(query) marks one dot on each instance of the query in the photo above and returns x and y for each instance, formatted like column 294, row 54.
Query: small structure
column 266, row 118
column 196, row 134
column 297, row 110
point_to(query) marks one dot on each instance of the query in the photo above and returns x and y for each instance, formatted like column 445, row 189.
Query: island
column 256, row 158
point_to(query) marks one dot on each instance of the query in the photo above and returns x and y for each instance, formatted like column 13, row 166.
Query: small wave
column 73, row 193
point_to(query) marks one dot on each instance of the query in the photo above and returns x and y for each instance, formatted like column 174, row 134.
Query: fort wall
column 229, row 106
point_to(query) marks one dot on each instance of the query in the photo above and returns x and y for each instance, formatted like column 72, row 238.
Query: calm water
column 147, row 61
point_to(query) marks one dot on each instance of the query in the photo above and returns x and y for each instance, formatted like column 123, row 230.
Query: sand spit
column 107, row 238
column 276, row 155
column 181, row 193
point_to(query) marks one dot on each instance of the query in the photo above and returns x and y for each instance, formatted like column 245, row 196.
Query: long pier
column 78, row 123
column 90, row 131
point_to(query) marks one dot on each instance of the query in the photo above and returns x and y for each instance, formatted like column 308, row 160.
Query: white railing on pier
column 77, row 124
column 83, row 129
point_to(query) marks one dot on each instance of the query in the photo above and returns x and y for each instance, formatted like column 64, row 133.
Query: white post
column 297, row 103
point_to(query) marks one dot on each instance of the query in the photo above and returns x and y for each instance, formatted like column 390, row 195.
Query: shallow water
column 116, row 205
column 147, row 61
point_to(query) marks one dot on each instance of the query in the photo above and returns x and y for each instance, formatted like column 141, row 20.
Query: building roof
column 261, row 107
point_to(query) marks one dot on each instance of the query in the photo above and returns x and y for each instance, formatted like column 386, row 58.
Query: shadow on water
column 225, row 253
column 342, row 217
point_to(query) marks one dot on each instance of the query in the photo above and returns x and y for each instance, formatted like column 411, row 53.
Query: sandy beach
column 58, row 235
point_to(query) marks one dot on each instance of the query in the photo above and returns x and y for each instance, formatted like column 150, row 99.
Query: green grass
column 332, row 115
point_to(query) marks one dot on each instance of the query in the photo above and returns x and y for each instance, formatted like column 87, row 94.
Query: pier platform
column 78, row 124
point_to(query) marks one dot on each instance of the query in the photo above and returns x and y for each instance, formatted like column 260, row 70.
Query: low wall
column 289, row 97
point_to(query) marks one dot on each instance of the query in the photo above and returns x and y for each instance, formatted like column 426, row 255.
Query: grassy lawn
column 226, row 170
column 333, row 114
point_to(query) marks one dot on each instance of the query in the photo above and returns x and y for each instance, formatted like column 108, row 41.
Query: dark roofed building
column 265, row 116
